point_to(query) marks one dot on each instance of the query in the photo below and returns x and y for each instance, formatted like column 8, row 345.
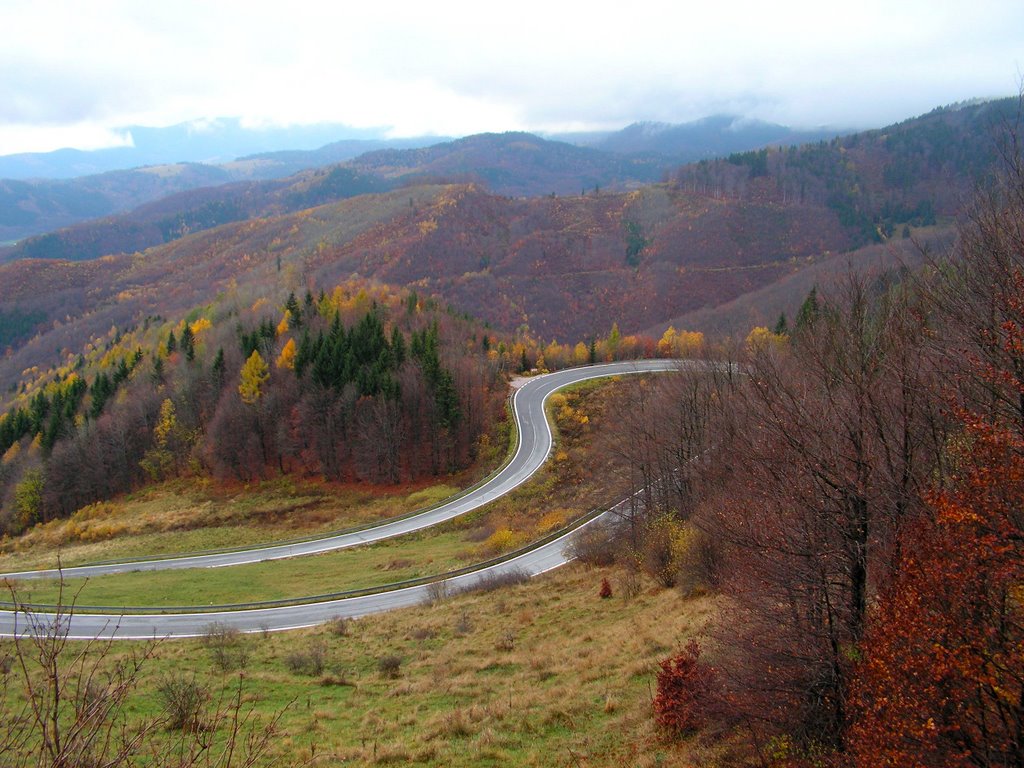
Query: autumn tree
column 837, row 436
column 942, row 677
column 942, row 681
column 254, row 376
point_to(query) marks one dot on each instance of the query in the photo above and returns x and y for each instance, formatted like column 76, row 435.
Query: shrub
column 183, row 700
column 437, row 592
column 684, row 685
column 338, row 626
column 493, row 580
column 630, row 583
column 227, row 648
column 310, row 662
column 662, row 539
column 606, row 589
column 336, row 679
column 502, row 540
column 389, row 666
column 699, row 561
column 594, row 545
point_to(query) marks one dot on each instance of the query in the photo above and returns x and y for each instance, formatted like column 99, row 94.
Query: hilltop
column 564, row 266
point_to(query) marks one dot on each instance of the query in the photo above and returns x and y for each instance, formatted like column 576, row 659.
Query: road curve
column 82, row 626
column 535, row 441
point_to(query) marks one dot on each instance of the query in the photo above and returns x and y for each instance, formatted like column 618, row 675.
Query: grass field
column 553, row 497
column 190, row 515
column 542, row 674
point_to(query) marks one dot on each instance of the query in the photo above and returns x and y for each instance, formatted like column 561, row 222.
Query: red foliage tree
column 606, row 589
column 684, row 684
column 942, row 681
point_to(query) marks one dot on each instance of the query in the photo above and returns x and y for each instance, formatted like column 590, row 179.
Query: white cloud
column 462, row 67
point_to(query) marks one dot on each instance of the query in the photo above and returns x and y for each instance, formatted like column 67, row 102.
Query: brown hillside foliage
column 836, row 438
column 942, row 681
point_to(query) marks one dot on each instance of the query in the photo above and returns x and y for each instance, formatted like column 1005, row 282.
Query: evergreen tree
column 809, row 310
column 188, row 343
column 292, row 306
column 398, row 346
column 218, row 369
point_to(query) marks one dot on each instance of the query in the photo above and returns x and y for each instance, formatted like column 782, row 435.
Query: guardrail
column 514, row 439
column 575, row 525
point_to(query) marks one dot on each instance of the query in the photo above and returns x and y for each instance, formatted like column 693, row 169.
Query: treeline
column 351, row 386
column 878, row 183
column 853, row 485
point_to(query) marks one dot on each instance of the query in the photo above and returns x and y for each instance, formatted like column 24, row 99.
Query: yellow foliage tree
column 160, row 460
column 11, row 454
column 282, row 327
column 200, row 325
column 667, row 342
column 761, row 338
column 675, row 343
column 287, row 357
column 255, row 373
column 580, row 354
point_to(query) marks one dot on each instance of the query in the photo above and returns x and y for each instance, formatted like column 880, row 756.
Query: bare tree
column 66, row 704
column 836, row 438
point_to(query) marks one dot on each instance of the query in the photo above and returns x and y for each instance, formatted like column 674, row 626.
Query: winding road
column 535, row 442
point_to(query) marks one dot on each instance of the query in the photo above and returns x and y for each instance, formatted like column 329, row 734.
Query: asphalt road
column 534, row 446
column 535, row 442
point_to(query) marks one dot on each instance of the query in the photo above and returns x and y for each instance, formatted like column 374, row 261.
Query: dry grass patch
column 576, row 677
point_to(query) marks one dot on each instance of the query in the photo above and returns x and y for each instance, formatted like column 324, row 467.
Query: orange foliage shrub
column 683, row 683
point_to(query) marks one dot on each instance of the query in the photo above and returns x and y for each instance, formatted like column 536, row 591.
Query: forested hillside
column 567, row 267
column 356, row 384
column 855, row 498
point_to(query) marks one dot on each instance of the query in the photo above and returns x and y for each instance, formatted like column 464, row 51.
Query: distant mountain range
column 43, row 192
column 210, row 142
column 567, row 266
column 714, row 136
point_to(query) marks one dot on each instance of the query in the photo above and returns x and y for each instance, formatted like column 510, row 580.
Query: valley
column 509, row 449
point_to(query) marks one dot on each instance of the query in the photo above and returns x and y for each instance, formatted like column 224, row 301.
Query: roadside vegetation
column 545, row 673
column 556, row 496
column 855, row 498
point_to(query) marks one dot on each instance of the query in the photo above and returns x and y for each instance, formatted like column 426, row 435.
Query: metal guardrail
column 380, row 589
column 576, row 524
column 509, row 455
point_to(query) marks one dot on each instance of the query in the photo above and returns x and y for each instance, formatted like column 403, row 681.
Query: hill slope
column 508, row 164
column 567, row 267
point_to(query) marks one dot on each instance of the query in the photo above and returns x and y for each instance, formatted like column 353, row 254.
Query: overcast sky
column 73, row 72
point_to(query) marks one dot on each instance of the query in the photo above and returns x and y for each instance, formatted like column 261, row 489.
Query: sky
column 73, row 74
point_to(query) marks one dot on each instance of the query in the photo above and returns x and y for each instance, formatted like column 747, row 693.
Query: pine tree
column 397, row 346
column 218, row 369
column 188, row 343
column 292, row 306
column 809, row 310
